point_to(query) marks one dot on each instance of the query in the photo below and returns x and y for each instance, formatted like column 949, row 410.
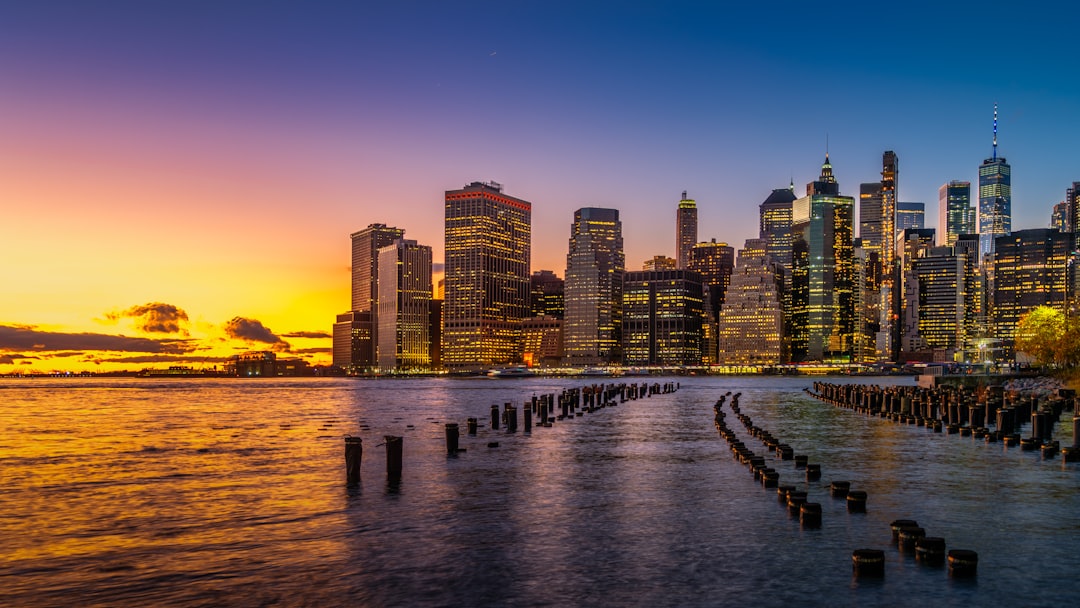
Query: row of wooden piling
column 906, row 534
column 546, row 408
column 965, row 411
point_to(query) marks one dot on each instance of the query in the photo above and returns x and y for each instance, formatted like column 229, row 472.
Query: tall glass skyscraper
column 404, row 306
column 955, row 214
column 685, row 231
column 488, row 237
column 592, row 325
column 995, row 196
column 910, row 215
column 822, row 305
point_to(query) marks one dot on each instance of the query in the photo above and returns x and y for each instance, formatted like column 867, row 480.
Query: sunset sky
column 178, row 180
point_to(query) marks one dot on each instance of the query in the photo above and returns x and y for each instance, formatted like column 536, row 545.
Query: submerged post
column 393, row 456
column 354, row 450
column 451, row 438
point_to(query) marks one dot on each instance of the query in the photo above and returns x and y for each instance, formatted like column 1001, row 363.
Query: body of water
column 232, row 492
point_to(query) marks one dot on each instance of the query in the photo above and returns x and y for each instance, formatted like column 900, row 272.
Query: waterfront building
column 662, row 318
column 955, row 213
column 870, row 233
column 659, row 262
column 1072, row 212
column 910, row 215
column 750, row 327
column 547, row 294
column 435, row 329
column 685, row 231
column 353, row 346
column 995, row 196
column 910, row 244
column 594, row 280
column 714, row 262
column 404, row 307
column 487, row 253
column 941, row 279
column 365, row 281
column 775, row 226
column 822, row 308
column 543, row 341
column 1030, row 268
column 865, row 301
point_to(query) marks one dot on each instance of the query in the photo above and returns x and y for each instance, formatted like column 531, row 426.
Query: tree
column 1049, row 337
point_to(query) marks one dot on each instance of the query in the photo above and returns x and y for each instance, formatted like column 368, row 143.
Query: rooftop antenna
column 995, row 131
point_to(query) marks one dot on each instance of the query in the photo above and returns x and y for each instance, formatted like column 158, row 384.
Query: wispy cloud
column 308, row 334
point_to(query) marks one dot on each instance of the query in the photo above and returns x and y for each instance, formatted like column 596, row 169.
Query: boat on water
column 511, row 372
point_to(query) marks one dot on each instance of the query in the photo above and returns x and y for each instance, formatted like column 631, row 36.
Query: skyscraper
column 365, row 291
column 890, row 173
column 910, row 215
column 404, row 306
column 1059, row 217
column 775, row 227
column 662, row 314
column 595, row 264
column 1072, row 211
column 487, row 276
column 715, row 263
column 995, row 196
column 685, row 230
column 955, row 214
column 870, row 229
column 751, row 323
column 822, row 308
column 547, row 294
column 1030, row 269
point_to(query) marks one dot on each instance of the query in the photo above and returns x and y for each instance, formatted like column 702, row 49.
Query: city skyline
column 179, row 183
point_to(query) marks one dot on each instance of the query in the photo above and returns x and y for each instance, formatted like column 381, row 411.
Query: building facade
column 548, row 291
column 488, row 240
column 910, row 215
column 1030, row 269
column 955, row 213
column 750, row 326
column 822, row 305
column 662, row 317
column 685, row 230
column 595, row 266
column 995, row 196
column 404, row 307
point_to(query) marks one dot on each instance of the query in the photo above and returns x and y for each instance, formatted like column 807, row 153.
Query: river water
column 232, row 492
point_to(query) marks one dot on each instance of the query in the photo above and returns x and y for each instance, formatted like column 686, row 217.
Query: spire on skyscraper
column 995, row 132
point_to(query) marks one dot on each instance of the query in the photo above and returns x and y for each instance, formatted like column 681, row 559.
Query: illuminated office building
column 775, row 226
column 890, row 172
column 870, row 230
column 353, row 347
column 715, row 263
column 1059, row 217
column 404, row 306
column 487, row 276
column 1030, row 269
column 659, row 262
column 910, row 215
column 945, row 319
column 955, row 213
column 365, row 280
column 594, row 279
column 547, row 294
column 1072, row 212
column 910, row 245
column 662, row 315
column 685, row 231
column 995, row 196
column 543, row 341
column 751, row 323
column 822, row 308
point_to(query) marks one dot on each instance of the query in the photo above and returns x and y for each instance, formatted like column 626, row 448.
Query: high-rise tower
column 592, row 322
column 365, row 296
column 404, row 306
column 487, row 276
column 685, row 231
column 955, row 215
column 890, row 173
column 995, row 196
column 822, row 308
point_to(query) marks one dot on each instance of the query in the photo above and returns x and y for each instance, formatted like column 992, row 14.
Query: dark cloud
column 155, row 317
column 11, row 358
column 70, row 353
column 162, row 359
column 253, row 330
column 308, row 334
column 13, row 337
column 437, row 267
column 313, row 351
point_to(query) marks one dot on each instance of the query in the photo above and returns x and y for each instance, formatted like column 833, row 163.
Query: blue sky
column 215, row 128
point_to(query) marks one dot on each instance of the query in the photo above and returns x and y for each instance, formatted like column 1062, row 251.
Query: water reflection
column 216, row 491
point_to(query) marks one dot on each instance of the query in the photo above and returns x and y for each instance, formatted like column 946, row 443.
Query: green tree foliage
column 1049, row 337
